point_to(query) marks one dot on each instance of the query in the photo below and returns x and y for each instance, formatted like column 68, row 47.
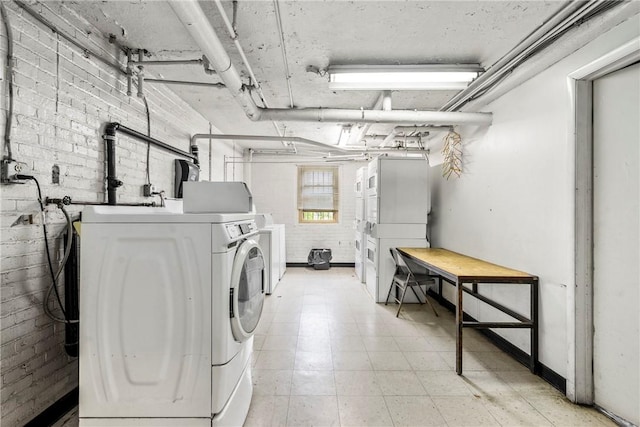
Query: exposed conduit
column 554, row 27
column 196, row 23
column 233, row 34
column 276, row 7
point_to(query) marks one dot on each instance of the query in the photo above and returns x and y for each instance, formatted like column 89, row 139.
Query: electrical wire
column 146, row 106
column 9, row 79
column 56, row 275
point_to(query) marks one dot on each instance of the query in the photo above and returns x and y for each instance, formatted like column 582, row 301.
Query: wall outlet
column 11, row 168
column 148, row 190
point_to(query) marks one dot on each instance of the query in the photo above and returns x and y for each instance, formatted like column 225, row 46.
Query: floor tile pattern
column 326, row 355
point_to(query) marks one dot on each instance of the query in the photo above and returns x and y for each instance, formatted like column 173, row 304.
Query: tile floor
column 326, row 355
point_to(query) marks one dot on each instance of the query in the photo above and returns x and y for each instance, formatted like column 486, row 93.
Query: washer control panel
column 238, row 230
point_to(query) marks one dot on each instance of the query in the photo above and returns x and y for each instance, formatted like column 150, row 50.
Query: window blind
column 318, row 188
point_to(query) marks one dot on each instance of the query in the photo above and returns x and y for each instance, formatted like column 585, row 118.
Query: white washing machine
column 270, row 244
column 169, row 302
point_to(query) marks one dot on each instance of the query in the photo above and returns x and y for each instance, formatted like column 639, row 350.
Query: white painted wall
column 274, row 188
column 514, row 204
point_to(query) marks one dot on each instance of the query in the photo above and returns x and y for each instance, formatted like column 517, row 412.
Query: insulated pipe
column 196, row 23
column 407, row 117
column 386, row 100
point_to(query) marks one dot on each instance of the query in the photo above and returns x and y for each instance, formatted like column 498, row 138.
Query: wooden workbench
column 459, row 269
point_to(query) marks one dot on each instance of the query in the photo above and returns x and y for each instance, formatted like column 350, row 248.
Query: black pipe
column 134, row 133
column 110, row 139
column 71, row 304
column 112, row 182
column 66, row 200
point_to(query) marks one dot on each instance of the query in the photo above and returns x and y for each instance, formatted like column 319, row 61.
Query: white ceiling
column 319, row 33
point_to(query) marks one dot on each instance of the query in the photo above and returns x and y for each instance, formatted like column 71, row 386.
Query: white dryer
column 283, row 249
column 168, row 309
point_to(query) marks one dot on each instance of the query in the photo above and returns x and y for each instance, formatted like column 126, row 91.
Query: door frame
column 580, row 297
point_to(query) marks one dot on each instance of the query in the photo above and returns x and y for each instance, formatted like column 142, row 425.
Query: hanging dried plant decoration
column 452, row 153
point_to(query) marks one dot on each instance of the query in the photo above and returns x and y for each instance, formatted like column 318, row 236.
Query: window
column 317, row 194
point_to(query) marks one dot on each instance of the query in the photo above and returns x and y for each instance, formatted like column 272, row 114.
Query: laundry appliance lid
column 145, row 214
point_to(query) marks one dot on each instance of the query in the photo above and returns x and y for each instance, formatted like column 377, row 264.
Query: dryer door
column 247, row 290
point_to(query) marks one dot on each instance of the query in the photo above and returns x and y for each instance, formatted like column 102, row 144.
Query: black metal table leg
column 459, row 317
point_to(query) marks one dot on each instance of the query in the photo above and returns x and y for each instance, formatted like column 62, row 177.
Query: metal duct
column 196, row 23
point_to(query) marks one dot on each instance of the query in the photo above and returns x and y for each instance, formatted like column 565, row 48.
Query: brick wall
column 274, row 191
column 62, row 101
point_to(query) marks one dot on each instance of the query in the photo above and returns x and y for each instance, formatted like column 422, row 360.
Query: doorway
column 616, row 218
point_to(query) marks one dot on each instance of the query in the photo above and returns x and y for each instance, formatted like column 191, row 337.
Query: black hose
column 46, row 242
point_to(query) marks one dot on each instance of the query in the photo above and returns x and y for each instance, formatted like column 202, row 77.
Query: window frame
column 301, row 169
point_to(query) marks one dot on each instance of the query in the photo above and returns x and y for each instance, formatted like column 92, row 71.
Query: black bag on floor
column 319, row 259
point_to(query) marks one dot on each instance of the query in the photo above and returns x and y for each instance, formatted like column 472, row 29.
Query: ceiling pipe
column 233, row 34
column 361, row 131
column 351, row 150
column 196, row 23
column 567, row 15
column 184, row 82
column 169, row 62
column 267, row 138
column 381, row 138
column 406, row 117
column 276, row 8
column 388, row 138
column 408, row 130
column 386, row 100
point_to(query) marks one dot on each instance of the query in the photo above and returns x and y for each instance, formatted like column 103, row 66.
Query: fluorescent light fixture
column 402, row 77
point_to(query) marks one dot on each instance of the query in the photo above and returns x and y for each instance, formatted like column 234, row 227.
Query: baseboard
column 333, row 264
column 546, row 373
column 56, row 411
